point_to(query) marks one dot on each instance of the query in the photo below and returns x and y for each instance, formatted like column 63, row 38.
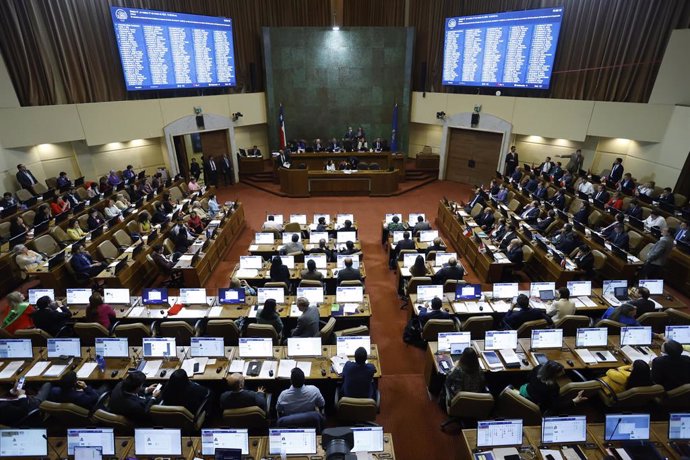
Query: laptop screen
column 680, row 334
column 116, row 296
column 251, row 262
column 63, row 347
column 344, row 237
column 536, row 288
column 158, row 347
column 505, row 290
column 277, row 218
column 341, row 218
column 389, row 217
column 579, row 288
column 341, row 261
column 294, row 441
column 148, row 441
column 499, row 433
column 304, row 346
column 409, row 259
column 207, row 347
column 627, row 427
column 224, row 439
column 277, row 294
column 288, row 261
column 412, row 218
column 91, row 437
column 264, row 238
column 23, row 443
column 561, row 430
column 446, row 340
column 500, row 340
column 256, row 347
column 347, row 345
column 299, row 218
column 313, row 294
column 547, row 338
column 316, row 237
column 397, row 236
column 368, row 439
column 609, row 286
column 443, row 258
column 679, row 427
column 429, row 292
column 192, row 296
column 287, row 236
column 319, row 259
column 349, row 294
column 656, row 287
column 112, row 347
column 325, row 216
column 231, row 296
column 78, row 296
column 591, row 337
column 426, row 236
column 636, row 335
column 468, row 292
column 15, row 349
column 35, row 294
column 154, row 296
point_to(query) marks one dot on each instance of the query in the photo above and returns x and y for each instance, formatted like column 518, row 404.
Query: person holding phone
column 15, row 407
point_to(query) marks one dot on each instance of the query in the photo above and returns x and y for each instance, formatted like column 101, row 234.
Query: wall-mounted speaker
column 200, row 122
column 475, row 120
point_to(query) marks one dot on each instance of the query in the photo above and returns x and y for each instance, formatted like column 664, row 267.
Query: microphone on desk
column 613, row 433
column 55, row 451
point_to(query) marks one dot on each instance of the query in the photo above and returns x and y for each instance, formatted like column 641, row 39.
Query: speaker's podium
column 304, row 183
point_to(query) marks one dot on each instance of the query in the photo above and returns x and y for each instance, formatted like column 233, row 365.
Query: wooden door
column 215, row 143
column 472, row 156
column 181, row 154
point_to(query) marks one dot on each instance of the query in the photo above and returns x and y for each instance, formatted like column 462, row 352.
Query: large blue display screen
column 513, row 49
column 163, row 50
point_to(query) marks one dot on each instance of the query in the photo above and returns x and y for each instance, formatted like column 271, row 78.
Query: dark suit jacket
column 620, row 239
column 485, row 220
column 507, row 237
column 643, row 306
column 671, row 372
column 585, row 263
column 191, row 398
column 25, row 181
column 94, row 223
column 518, row 316
column 134, row 407
column 449, row 273
column 616, row 173
column 566, row 243
column 531, row 185
column 349, row 273
column 358, row 380
column 602, row 196
column 515, row 255
column 558, row 201
column 540, row 193
column 634, row 212
column 426, row 315
column 404, row 244
column 532, row 215
column 51, row 320
column 307, row 324
column 86, row 399
column 582, row 216
column 543, row 224
column 242, row 398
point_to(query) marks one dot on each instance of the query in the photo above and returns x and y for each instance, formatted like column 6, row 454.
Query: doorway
column 473, row 155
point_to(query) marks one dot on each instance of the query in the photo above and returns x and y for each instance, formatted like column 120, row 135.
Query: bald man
column 237, row 397
column 450, row 271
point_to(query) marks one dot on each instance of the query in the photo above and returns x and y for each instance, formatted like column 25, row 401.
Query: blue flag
column 394, row 130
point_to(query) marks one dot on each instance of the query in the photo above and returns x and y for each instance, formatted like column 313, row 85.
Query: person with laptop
column 485, row 219
column 294, row 245
column 466, row 375
column 543, row 389
column 418, row 268
column 521, row 312
column 436, row 312
column 83, row 264
column 321, row 225
column 18, row 404
column 561, row 307
column 269, row 315
column 358, row 377
column 615, row 202
column 50, row 316
column 58, row 205
column 308, row 321
column 643, row 304
column 299, row 398
column 159, row 216
column 130, row 399
column 582, row 214
column 672, row 368
column 566, row 241
column 279, row 272
column 71, row 390
column 655, row 220
column 436, row 246
column 237, row 397
column 584, row 260
column 405, row 243
column 542, row 224
column 349, row 272
column 74, row 230
column 420, row 225
column 42, row 214
column 27, row 259
column 16, row 314
column 619, row 237
column 195, row 224
column 323, row 248
column 99, row 312
column 180, row 391
column 608, row 230
column 181, row 237
column 271, row 225
column 236, row 283
column 311, row 273
column 637, row 374
column 95, row 219
column 624, row 313
column 347, row 226
column 634, row 209
column 18, row 230
column 349, row 249
column 449, row 271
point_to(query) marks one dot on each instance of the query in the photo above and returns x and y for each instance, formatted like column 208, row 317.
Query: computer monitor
column 327, row 217
column 304, row 346
column 256, row 347
column 288, row 261
column 564, row 430
column 626, row 427
column 116, row 296
column 609, row 286
column 496, row 433
column 546, row 338
column 389, row 217
column 409, row 259
column 679, row 426
column 264, row 238
column 287, row 236
column 64, row 347
column 231, row 296
column 78, row 296
column 344, row 237
column 579, row 288
column 315, row 237
column 468, row 292
column 104, row 438
column 224, row 438
column 397, row 236
column 412, row 218
column 207, row 347
column 192, row 296
column 313, row 294
column 586, row 337
column 347, row 345
column 656, row 287
column 428, row 292
column 154, row 296
column 35, row 294
column 264, row 293
column 299, row 218
column 292, row 441
column 23, row 443
column 16, row 349
column 636, row 335
column 277, row 218
column 341, row 218
column 340, row 261
column 112, row 347
column 500, row 340
column 505, row 290
column 251, row 262
column 158, row 347
column 349, row 294
column 319, row 259
column 442, row 258
column 150, row 441
column 367, row 439
column 535, row 289
column 447, row 339
column 426, row 236
column 679, row 333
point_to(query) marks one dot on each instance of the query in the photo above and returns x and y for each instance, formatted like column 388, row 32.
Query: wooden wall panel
column 481, row 146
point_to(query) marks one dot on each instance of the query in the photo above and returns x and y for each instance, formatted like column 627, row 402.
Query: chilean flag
column 281, row 128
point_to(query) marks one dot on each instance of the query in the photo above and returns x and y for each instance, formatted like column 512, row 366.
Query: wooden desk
column 659, row 440
column 317, row 160
column 303, row 182
column 251, row 165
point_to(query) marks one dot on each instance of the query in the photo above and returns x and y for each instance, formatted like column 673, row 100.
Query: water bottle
column 101, row 363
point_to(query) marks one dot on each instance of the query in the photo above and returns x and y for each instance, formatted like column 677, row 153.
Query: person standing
column 575, row 162
column 211, row 171
column 195, row 169
column 26, row 179
column 656, row 258
column 226, row 169
column 512, row 161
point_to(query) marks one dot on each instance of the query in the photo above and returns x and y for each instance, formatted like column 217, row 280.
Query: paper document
column 247, row 273
column 294, row 311
column 570, row 454
column 500, row 306
column 136, row 311
column 55, row 370
column 253, row 247
column 632, row 354
column 622, row 454
column 10, row 369
column 305, row 366
column 86, row 370
column 338, row 363
column 237, row 365
column 606, row 356
column 586, row 356
column 350, row 307
column 191, row 313
column 509, row 356
column 151, row 367
column 215, row 222
column 215, row 312
column 285, row 367
column 188, row 365
column 586, row 301
column 253, row 311
column 502, row 453
column 556, row 454
column 266, row 368
column 186, row 258
column 405, row 272
column 38, row 368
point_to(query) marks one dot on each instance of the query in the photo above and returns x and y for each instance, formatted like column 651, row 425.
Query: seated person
column 566, row 241
column 323, row 248
column 236, row 283
column 515, row 254
column 237, row 397
column 71, row 390
column 269, row 315
column 501, row 195
column 271, row 225
column 485, row 219
column 50, row 316
column 582, row 214
column 643, row 304
column 521, row 312
column 509, row 235
column 477, row 199
column 466, row 375
column 159, row 216
column 602, row 195
column 348, row 272
column 616, row 202
column 7, row 200
column 308, row 321
column 58, row 205
column 299, row 397
column 419, row 267
column 74, row 231
column 395, row 225
column 562, row 307
column 532, row 183
column 113, row 179
column 181, row 237
column 42, row 214
column 543, row 389
column 347, row 226
column 542, row 224
column 144, row 225
column 531, row 212
column 420, row 225
column 321, row 225
column 624, row 314
column 194, row 223
column 619, row 237
column 540, row 192
column 646, row 189
column 405, row 243
column 358, row 377
column 294, row 245
column 450, row 271
column 667, row 197
column 672, row 368
column 584, row 259
column 130, row 399
column 18, row 404
column 128, row 174
column 637, row 374
column 634, row 209
column 349, row 249
column 95, row 219
column 16, row 313
column 83, row 264
column 100, row 312
column 122, row 202
column 435, row 312
column 193, row 186
column 627, row 184
column 655, row 220
column 586, row 187
column 437, row 245
column 26, row 259
column 311, row 273
column 558, row 200
column 180, row 391
column 278, row 271
column 608, row 230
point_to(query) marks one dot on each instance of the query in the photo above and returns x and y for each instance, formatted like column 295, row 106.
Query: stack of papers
column 350, row 307
column 586, row 356
column 86, row 370
column 37, row 369
column 632, row 354
column 188, row 365
column 500, row 306
column 136, row 311
column 247, row 273
column 338, row 363
column 55, row 370
column 294, row 311
column 237, row 365
column 151, row 367
column 287, row 365
column 509, row 356
column 585, row 301
column 253, row 310
column 10, row 369
column 215, row 312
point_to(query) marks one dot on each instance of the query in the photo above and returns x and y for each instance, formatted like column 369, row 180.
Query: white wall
column 671, row 85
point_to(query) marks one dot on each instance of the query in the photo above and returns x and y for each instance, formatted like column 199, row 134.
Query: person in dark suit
column 318, row 146
column 634, row 209
column 26, row 179
column 499, row 230
column 195, row 169
column 349, row 273
column 479, row 198
column 584, row 259
column 71, row 390
column 643, row 304
column 556, row 172
column 619, row 237
column 308, row 321
column 278, row 271
column 49, row 316
column 180, row 236
column 602, row 195
column 627, row 185
column 237, row 397
column 682, row 235
column 508, row 236
column 377, row 145
column 486, row 219
column 358, row 377
column 540, row 192
column 512, row 161
column 83, row 264
column 532, row 183
column 546, row 166
column 606, row 231
column 517, row 175
column 582, row 214
column 323, row 248
column 667, row 197
column 405, row 243
column 17, row 405
column 254, row 152
column 349, row 249
column 558, row 200
column 514, row 253
column 543, row 224
column 180, row 391
column 95, row 220
column 531, row 212
column 130, row 399
column 449, row 271
column 521, row 312
column 333, row 145
column 8, row 200
column 420, row 225
column 435, row 312
column 226, row 169
column 616, row 173
column 437, row 245
column 165, row 264
column 672, row 369
column 211, row 171
column 566, row 241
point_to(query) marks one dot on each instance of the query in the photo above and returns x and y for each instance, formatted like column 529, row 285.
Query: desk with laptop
column 266, row 245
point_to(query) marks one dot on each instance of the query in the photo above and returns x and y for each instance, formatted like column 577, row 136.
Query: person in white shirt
column 121, row 202
column 111, row 210
column 299, row 398
column 586, row 187
column 330, row 166
column 561, row 307
column 655, row 220
column 271, row 224
column 27, row 259
column 646, row 189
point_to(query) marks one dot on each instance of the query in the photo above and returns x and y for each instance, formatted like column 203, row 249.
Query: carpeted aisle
column 406, row 410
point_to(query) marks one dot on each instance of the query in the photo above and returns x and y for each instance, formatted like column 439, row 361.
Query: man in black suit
column 500, row 229
column 478, row 198
column 608, row 230
column 322, row 248
column 543, row 224
column 566, row 240
column 521, row 312
column 131, row 399
column 18, row 404
column 377, row 145
column 619, row 237
column 405, row 243
column 254, row 152
column 333, row 146
column 26, row 179
column 211, row 171
column 584, row 259
column 511, row 161
column 616, row 173
column 486, row 219
column 436, row 246
column 50, row 316
column 195, row 169
column 434, row 313
column 602, row 195
column 514, row 253
column 672, row 369
column 450, row 271
column 72, row 198
column 226, row 169
column 643, row 304
column 634, row 209
column 237, row 397
column 540, row 192
column 531, row 212
column 508, row 236
column 558, row 200
column 349, row 273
